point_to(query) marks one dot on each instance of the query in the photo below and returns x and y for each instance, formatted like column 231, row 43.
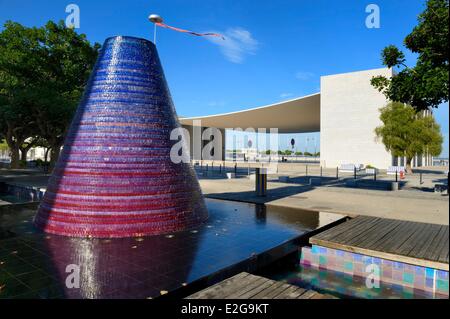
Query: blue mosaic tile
column 398, row 265
column 442, row 285
column 429, row 272
column 340, row 253
column 348, row 266
column 442, row 274
column 387, row 262
column 419, row 270
column 408, row 278
column 315, row 249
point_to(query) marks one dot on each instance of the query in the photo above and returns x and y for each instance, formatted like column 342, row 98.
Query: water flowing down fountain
column 115, row 177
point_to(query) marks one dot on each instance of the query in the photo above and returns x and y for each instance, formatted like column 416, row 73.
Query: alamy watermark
column 373, row 277
column 207, row 143
column 73, row 277
column 73, row 19
column 373, row 20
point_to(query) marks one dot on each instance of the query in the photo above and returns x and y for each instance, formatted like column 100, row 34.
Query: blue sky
column 279, row 49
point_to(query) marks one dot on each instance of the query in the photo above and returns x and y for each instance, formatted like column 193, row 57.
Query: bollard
column 354, row 172
column 248, row 169
column 320, row 171
column 396, row 176
column 306, row 170
column 235, row 168
column 261, row 182
column 220, row 168
column 375, row 174
column 421, row 181
column 337, row 172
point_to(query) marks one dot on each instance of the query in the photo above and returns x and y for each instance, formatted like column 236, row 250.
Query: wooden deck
column 247, row 286
column 409, row 242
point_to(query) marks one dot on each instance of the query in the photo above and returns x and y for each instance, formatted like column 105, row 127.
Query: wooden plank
column 270, row 290
column 308, row 294
column 350, row 231
column 426, row 244
column 221, row 289
column 412, row 241
column 254, row 283
column 247, row 286
column 443, row 255
column 357, row 231
column 292, row 292
column 398, row 241
column 334, row 231
column 420, row 239
column 409, row 242
column 370, row 232
column 433, row 254
column 251, row 294
column 342, row 228
column 390, row 231
column 388, row 242
column 278, row 291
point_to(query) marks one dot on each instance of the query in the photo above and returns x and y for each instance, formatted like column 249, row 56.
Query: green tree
column 43, row 72
column 407, row 133
column 298, row 153
column 287, row 152
column 426, row 84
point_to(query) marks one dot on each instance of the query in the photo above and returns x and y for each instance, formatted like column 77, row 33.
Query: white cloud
column 303, row 76
column 237, row 45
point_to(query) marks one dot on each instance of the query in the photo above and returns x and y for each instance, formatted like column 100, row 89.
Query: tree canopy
column 407, row 133
column 43, row 72
column 426, row 84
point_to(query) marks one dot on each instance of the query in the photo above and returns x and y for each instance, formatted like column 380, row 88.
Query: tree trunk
column 24, row 151
column 408, row 165
column 54, row 154
column 47, row 150
column 23, row 154
column 15, row 157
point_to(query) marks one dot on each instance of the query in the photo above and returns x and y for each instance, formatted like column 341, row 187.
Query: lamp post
column 154, row 18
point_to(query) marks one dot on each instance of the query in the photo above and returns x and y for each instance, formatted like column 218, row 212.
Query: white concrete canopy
column 300, row 115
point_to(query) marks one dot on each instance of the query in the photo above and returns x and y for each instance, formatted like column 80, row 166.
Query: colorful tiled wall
column 416, row 277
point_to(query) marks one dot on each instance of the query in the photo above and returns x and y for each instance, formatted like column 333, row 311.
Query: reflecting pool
column 236, row 237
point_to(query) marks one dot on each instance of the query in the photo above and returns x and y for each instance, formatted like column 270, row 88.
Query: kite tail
column 163, row 25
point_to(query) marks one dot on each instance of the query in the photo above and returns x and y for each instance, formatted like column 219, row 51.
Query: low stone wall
column 23, row 193
column 396, row 273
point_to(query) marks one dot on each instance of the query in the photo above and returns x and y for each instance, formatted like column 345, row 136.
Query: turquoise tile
column 429, row 272
column 442, row 285
column 408, row 277
column 348, row 265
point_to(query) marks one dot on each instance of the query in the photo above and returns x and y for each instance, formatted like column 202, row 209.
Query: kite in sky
column 158, row 21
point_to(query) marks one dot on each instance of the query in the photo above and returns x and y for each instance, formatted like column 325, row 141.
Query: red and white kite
column 158, row 21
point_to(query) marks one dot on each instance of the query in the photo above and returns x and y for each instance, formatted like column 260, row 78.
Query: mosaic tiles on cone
column 115, row 177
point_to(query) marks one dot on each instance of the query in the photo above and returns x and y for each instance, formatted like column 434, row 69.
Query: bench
column 350, row 168
column 392, row 170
